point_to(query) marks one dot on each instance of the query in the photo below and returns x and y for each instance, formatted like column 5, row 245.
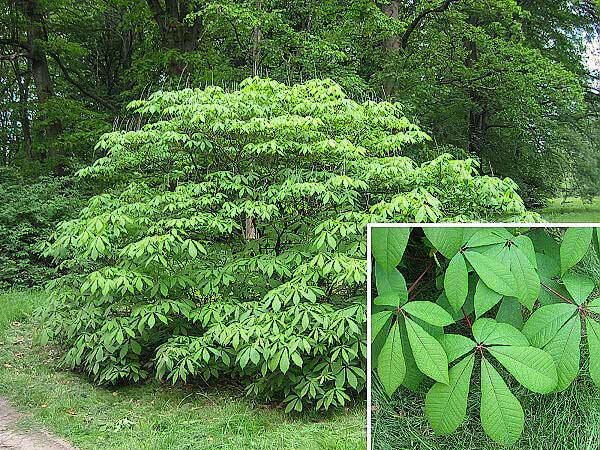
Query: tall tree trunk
column 477, row 113
column 42, row 80
column 175, row 31
column 392, row 43
column 23, row 80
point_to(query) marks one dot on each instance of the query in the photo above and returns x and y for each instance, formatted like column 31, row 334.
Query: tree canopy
column 505, row 81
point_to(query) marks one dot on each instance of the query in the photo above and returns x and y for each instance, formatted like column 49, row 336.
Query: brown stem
column 467, row 317
column 562, row 297
column 412, row 286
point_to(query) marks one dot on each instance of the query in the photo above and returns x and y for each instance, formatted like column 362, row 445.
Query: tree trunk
column 392, row 43
column 23, row 80
column 477, row 113
column 39, row 67
column 175, row 31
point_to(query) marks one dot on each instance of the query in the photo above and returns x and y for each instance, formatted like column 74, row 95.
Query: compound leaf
column 579, row 287
column 378, row 322
column 456, row 345
column 491, row 332
column 485, row 299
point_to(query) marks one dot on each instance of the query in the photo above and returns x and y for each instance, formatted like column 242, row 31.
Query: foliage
column 233, row 242
column 30, row 213
column 478, row 273
column 479, row 74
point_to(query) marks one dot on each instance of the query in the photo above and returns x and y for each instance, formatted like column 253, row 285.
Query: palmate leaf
column 388, row 245
column 564, row 347
column 532, row 367
column 428, row 352
column 510, row 312
column 455, row 345
column 485, row 299
column 596, row 241
column 593, row 339
column 446, row 240
column 575, row 244
column 594, row 305
column 491, row 332
column 501, row 413
column 492, row 272
column 456, row 281
column 579, row 286
column 446, row 404
column 545, row 322
column 525, row 244
column 391, row 300
column 429, row 312
column 391, row 367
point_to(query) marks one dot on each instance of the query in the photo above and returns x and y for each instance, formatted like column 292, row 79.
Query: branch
column 79, row 86
column 417, row 21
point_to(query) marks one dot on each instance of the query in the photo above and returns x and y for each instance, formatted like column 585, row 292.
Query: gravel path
column 13, row 438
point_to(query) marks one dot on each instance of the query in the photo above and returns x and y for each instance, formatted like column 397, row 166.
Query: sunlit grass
column 151, row 415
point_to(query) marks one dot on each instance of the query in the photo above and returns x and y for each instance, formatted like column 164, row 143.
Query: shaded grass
column 150, row 415
column 567, row 420
column 572, row 212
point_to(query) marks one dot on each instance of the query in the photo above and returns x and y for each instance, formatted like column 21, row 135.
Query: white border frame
column 370, row 226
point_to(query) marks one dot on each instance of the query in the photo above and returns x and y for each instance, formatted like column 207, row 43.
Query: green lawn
column 151, row 415
column 573, row 211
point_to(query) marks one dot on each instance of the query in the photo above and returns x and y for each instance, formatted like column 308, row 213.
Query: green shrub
column 474, row 274
column 233, row 241
column 29, row 214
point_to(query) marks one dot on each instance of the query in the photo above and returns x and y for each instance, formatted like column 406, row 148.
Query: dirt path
column 13, row 438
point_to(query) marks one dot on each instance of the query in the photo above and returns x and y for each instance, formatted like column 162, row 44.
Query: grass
column 572, row 212
column 150, row 415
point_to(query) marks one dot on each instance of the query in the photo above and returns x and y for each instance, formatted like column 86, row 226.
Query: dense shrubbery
column 233, row 241
column 512, row 301
column 29, row 214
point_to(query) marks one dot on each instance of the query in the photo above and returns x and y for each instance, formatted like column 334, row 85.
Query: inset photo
column 484, row 336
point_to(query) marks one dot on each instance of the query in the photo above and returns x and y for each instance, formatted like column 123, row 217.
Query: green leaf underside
column 491, row 332
column 526, row 277
column 485, row 298
column 526, row 245
column 446, row 404
column 456, row 282
column 574, row 245
column 579, row 287
column 413, row 376
column 446, row 240
column 533, row 368
column 510, row 312
column 388, row 245
column 564, row 347
column 388, row 280
column 391, row 299
column 429, row 312
column 594, row 305
column 545, row 322
column 391, row 367
column 456, row 345
column 593, row 340
column 501, row 413
column 547, row 267
column 428, row 352
column 487, row 236
column 378, row 322
column 492, row 272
